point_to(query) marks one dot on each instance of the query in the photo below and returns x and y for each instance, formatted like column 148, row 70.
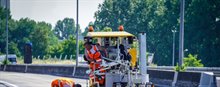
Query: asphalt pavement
column 14, row 79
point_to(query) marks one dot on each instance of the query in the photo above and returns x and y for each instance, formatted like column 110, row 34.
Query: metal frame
column 126, row 75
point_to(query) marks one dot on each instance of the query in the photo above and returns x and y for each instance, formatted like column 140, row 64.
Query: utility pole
column 0, row 29
column 77, row 32
column 7, row 9
column 181, row 37
column 174, row 31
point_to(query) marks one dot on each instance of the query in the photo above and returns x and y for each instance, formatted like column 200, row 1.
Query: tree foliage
column 40, row 34
column 45, row 40
column 87, row 28
column 107, row 29
column 3, row 29
column 40, row 38
column 158, row 17
column 155, row 17
column 64, row 28
column 66, row 47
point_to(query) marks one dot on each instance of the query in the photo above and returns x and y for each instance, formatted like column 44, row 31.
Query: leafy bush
column 5, row 62
column 66, row 47
column 180, row 68
column 192, row 61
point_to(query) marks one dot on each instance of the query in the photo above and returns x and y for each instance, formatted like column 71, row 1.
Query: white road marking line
column 8, row 84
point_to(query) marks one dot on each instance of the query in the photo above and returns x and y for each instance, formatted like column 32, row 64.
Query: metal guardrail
column 215, row 70
column 188, row 68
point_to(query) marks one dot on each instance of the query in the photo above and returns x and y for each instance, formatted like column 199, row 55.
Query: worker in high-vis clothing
column 64, row 82
column 93, row 56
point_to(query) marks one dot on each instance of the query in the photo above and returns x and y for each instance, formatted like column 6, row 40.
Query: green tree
column 86, row 29
column 66, row 47
column 64, row 28
column 56, row 50
column 13, row 49
column 107, row 29
column 3, row 29
column 141, row 16
column 69, row 46
column 202, row 34
column 113, row 13
column 40, row 38
column 81, row 47
column 158, row 18
column 192, row 61
column 22, row 32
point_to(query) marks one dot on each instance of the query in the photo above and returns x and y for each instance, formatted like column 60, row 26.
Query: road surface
column 14, row 79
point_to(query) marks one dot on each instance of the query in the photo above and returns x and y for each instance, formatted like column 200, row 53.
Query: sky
column 51, row 11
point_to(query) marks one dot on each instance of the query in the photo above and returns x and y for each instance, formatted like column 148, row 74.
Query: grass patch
column 47, row 61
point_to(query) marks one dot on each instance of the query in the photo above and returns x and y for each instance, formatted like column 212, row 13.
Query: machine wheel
column 150, row 84
column 120, row 84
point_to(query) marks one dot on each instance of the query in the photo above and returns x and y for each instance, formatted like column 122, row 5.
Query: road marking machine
column 121, row 62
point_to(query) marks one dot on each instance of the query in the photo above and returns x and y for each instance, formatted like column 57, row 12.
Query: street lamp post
column 7, row 9
column 77, row 33
column 77, row 43
column 174, row 31
column 181, row 43
column 0, row 29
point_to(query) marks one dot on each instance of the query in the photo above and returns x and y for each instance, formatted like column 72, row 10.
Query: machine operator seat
column 102, row 50
column 125, row 55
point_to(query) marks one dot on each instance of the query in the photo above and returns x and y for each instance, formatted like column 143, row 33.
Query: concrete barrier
column 207, row 80
column 166, row 78
column 62, row 70
column 218, row 81
column 16, row 68
column 51, row 69
column 188, row 79
column 1, row 67
column 159, row 77
column 162, row 78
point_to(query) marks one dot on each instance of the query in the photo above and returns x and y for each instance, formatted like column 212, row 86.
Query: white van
column 11, row 57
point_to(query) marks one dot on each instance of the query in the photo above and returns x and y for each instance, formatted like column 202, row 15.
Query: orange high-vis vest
column 62, row 82
column 94, row 54
column 94, row 57
column 95, row 62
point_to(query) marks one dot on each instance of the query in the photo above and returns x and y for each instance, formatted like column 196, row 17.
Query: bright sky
column 53, row 10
